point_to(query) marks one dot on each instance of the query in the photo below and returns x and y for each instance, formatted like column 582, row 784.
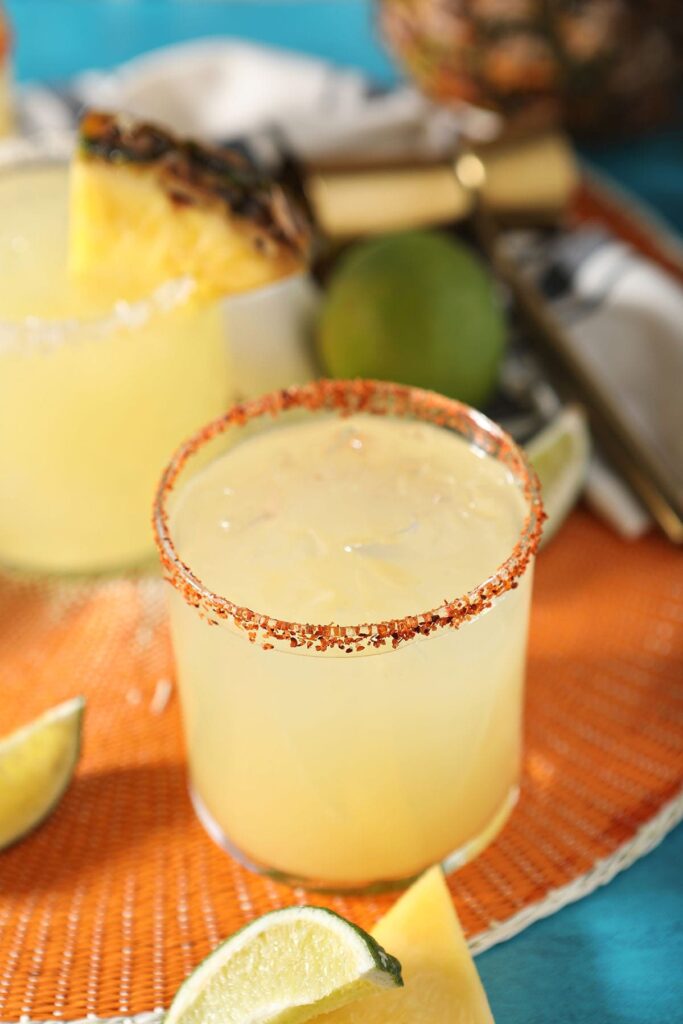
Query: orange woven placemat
column 108, row 906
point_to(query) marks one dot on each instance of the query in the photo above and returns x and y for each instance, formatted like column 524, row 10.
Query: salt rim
column 346, row 397
column 33, row 332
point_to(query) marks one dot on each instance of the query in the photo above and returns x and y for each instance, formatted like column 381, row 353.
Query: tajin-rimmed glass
column 274, row 740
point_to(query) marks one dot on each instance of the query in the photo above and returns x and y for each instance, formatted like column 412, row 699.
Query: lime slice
column 285, row 967
column 36, row 766
column 559, row 454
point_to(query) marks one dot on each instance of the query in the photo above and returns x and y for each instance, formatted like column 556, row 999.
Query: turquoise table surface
column 616, row 957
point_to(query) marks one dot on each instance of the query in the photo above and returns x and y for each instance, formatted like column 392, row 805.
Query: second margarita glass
column 94, row 390
column 334, row 755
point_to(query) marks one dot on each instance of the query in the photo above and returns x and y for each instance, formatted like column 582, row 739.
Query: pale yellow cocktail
column 358, row 755
column 97, row 382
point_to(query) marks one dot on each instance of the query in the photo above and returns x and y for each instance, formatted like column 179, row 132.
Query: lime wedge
column 284, row 967
column 36, row 766
column 559, row 454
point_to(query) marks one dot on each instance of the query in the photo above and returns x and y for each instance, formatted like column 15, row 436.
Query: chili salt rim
column 346, row 397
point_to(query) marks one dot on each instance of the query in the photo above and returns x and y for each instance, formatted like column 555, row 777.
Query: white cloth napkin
column 222, row 88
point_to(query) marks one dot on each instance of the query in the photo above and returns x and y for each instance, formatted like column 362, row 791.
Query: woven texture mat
column 111, row 903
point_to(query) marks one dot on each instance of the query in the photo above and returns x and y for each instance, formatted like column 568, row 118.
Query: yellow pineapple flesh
column 441, row 984
column 146, row 204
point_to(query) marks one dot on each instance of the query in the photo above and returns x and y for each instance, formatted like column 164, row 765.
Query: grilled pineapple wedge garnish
column 146, row 203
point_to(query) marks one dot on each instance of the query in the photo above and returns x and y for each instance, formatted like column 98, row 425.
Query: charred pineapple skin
column 142, row 197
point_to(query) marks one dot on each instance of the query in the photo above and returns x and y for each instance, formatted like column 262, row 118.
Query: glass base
column 452, row 862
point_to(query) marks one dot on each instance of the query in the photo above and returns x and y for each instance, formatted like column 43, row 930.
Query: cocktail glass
column 351, row 756
column 95, row 386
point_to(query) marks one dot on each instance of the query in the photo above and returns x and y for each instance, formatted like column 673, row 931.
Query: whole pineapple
column 597, row 65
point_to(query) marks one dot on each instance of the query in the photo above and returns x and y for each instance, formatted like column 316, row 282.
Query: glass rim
column 30, row 332
column 345, row 397
column 46, row 333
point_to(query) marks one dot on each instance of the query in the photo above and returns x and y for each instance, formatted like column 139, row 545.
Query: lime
column 36, row 766
column 559, row 454
column 285, row 967
column 417, row 308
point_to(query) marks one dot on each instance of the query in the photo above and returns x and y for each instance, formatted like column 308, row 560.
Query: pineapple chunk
column 154, row 207
column 441, row 982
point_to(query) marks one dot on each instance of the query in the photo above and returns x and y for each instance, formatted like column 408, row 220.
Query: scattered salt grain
column 161, row 696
